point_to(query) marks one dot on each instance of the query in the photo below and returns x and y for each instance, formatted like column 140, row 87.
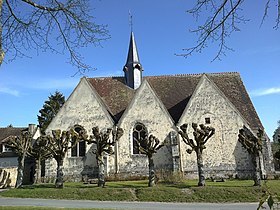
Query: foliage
column 219, row 20
column 50, row 109
column 104, row 146
column 58, row 26
column 201, row 135
column 21, row 145
column 253, row 145
column 275, row 146
column 276, row 135
column 149, row 146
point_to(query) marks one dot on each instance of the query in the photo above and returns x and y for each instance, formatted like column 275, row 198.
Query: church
column 158, row 105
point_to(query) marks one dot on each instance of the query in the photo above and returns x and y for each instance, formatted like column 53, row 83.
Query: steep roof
column 10, row 131
column 132, row 56
column 175, row 91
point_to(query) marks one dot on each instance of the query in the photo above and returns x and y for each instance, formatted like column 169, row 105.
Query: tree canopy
column 50, row 109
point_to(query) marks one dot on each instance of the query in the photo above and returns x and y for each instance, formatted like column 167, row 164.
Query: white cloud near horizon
column 9, row 91
column 264, row 92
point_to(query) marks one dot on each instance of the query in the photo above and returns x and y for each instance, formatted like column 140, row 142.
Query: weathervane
column 130, row 20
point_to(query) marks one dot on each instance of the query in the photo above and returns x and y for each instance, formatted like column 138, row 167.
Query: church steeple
column 133, row 68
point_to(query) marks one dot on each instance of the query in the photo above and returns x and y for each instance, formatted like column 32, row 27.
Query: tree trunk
column 152, row 175
column 20, row 170
column 1, row 30
column 101, row 171
column 201, row 177
column 257, row 175
column 38, row 171
column 59, row 174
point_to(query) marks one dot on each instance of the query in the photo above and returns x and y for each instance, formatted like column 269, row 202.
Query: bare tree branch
column 59, row 26
column 222, row 20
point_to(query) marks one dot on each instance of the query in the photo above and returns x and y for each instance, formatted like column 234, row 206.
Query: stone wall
column 8, row 177
column 223, row 153
column 224, row 156
column 83, row 108
column 147, row 110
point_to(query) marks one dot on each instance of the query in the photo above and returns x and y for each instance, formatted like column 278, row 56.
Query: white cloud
column 264, row 92
column 9, row 91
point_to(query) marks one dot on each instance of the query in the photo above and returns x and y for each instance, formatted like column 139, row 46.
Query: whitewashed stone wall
column 148, row 110
column 8, row 177
column 223, row 155
column 83, row 108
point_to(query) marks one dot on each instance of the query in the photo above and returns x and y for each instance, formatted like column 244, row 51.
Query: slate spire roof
column 175, row 92
column 132, row 57
column 133, row 68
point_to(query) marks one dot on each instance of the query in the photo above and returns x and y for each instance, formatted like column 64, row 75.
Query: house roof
column 10, row 131
column 175, row 91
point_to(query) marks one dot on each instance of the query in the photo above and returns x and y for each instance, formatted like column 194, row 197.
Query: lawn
column 186, row 191
column 39, row 208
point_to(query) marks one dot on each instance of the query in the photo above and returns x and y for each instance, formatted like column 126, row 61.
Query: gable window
column 5, row 148
column 79, row 150
column 207, row 120
column 139, row 133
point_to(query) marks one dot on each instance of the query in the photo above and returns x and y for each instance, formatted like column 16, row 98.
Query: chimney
column 31, row 129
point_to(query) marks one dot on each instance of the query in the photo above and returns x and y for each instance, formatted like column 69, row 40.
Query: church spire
column 133, row 68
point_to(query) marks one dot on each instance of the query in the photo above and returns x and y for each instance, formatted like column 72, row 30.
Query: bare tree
column 222, row 18
column 58, row 145
column 201, row 136
column 104, row 146
column 253, row 144
column 53, row 25
column 21, row 145
column 40, row 152
column 149, row 146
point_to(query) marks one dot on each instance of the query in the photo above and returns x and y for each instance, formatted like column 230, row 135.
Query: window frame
column 144, row 131
column 80, row 147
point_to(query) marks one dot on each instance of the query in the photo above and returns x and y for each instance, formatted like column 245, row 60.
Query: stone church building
column 158, row 105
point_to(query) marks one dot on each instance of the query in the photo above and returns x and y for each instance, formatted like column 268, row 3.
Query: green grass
column 40, row 208
column 187, row 191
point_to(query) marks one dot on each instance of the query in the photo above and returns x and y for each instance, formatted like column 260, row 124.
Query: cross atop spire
column 130, row 20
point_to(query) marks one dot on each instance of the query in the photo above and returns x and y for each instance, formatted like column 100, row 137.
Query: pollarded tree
column 58, row 145
column 40, row 152
column 253, row 144
column 58, row 26
column 149, row 146
column 50, row 109
column 201, row 135
column 104, row 143
column 21, row 145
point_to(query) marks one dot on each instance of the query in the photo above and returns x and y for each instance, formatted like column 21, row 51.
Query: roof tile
column 175, row 91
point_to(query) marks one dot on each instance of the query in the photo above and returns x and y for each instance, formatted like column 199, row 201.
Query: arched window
column 139, row 133
column 79, row 150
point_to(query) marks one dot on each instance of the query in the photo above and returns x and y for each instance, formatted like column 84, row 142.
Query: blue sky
column 161, row 29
